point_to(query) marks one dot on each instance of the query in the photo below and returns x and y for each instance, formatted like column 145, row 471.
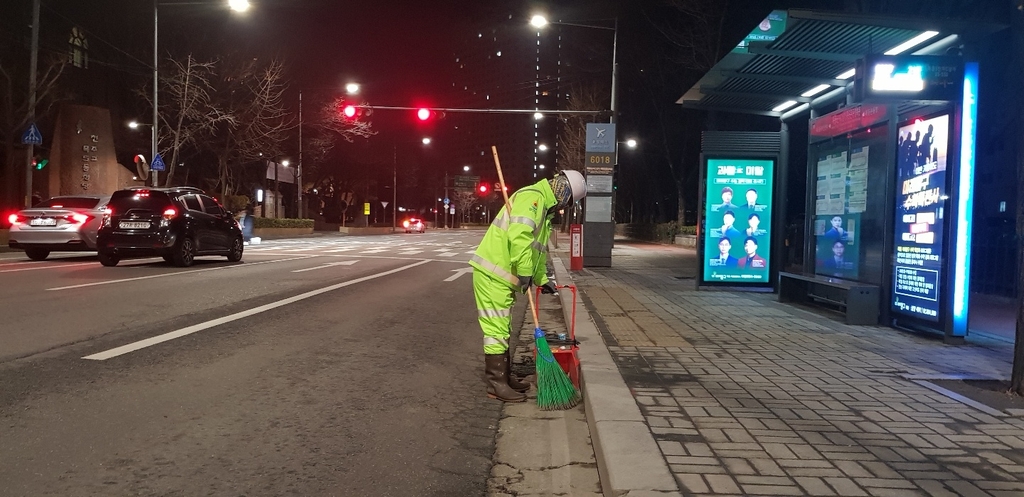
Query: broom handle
column 508, row 205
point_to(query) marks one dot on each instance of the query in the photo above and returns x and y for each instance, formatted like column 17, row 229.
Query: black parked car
column 176, row 223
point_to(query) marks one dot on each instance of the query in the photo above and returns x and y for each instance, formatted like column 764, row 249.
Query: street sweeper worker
column 511, row 257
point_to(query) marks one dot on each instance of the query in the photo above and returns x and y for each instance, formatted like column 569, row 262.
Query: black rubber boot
column 495, row 371
column 513, row 382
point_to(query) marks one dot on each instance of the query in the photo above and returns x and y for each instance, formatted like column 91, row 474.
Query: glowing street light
column 352, row 88
column 239, row 5
column 426, row 140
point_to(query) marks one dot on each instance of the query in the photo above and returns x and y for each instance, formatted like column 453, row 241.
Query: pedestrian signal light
column 423, row 114
column 40, row 164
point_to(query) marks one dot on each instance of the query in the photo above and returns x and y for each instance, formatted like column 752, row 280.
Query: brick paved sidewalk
column 747, row 396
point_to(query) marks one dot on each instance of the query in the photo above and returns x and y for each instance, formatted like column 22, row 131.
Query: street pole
column 445, row 196
column 156, row 77
column 277, row 189
column 33, row 66
column 615, row 72
column 394, row 192
column 298, row 173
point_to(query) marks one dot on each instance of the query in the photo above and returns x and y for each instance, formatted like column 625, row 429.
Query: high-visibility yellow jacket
column 516, row 245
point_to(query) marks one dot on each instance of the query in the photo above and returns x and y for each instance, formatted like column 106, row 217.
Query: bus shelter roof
column 811, row 61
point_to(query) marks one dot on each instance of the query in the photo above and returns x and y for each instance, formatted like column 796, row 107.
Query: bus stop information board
column 920, row 223
column 737, row 219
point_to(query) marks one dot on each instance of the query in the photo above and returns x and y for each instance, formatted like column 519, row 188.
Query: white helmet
column 577, row 184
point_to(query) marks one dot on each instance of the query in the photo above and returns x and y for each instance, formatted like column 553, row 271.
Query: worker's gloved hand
column 548, row 288
column 525, row 281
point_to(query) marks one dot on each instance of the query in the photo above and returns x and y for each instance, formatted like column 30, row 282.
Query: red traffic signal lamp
column 353, row 111
column 482, row 189
column 426, row 114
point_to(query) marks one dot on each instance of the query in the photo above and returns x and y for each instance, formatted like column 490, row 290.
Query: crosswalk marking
column 398, row 246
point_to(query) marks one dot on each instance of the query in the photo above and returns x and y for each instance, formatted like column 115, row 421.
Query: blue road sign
column 600, row 137
column 158, row 164
column 32, row 136
column 446, row 201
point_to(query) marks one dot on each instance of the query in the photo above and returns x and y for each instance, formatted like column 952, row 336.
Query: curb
column 629, row 460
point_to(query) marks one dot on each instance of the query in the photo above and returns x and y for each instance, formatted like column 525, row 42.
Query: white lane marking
column 374, row 251
column 58, row 266
column 448, row 254
column 459, row 272
column 325, row 266
column 179, row 273
column 47, row 267
column 345, row 249
column 299, row 249
column 410, row 252
column 131, row 347
column 471, row 252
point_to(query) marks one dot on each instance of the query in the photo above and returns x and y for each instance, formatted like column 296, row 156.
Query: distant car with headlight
column 414, row 225
column 68, row 223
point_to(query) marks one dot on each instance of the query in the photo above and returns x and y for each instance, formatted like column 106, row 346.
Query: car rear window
column 139, row 199
column 69, row 203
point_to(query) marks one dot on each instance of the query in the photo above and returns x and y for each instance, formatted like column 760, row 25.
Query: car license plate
column 133, row 225
column 43, row 221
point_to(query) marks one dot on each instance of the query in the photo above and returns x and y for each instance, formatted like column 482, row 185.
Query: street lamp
column 465, row 169
column 235, row 5
column 539, row 21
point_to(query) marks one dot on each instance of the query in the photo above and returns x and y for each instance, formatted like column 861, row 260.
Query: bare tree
column 464, row 201
column 187, row 111
column 572, row 135
column 696, row 33
column 251, row 95
column 14, row 104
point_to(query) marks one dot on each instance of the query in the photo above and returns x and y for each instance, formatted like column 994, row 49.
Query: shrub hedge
column 269, row 222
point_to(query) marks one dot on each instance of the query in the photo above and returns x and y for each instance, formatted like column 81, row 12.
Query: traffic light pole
column 33, row 66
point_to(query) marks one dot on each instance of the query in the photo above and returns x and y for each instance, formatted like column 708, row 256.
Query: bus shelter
column 891, row 109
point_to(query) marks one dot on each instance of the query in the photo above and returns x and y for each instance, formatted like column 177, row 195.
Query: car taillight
column 107, row 213
column 78, row 218
column 406, row 224
column 15, row 219
column 169, row 213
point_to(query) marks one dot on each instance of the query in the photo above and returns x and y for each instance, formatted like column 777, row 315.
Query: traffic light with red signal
column 483, row 189
column 353, row 111
column 426, row 114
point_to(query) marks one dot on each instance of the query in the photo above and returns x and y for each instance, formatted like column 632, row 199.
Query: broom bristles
column 555, row 390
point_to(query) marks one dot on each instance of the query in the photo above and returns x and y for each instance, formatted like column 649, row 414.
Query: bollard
column 576, row 247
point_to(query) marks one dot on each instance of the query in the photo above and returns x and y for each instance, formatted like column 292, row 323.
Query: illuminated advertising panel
column 737, row 215
column 920, row 222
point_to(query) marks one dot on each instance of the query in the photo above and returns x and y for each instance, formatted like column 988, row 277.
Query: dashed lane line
column 179, row 273
column 141, row 344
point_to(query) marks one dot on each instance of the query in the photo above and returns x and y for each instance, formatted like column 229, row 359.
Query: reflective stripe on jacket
column 515, row 244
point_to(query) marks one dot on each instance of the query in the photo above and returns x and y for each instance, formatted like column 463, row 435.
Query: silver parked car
column 59, row 224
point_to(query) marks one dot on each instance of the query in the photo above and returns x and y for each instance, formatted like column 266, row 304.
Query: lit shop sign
column 909, row 77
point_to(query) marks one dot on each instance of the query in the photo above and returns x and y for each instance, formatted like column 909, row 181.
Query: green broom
column 555, row 390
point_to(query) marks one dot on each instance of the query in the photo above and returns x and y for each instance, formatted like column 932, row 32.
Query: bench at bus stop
column 857, row 301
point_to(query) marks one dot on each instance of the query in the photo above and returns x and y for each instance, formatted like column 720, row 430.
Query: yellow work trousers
column 494, row 300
